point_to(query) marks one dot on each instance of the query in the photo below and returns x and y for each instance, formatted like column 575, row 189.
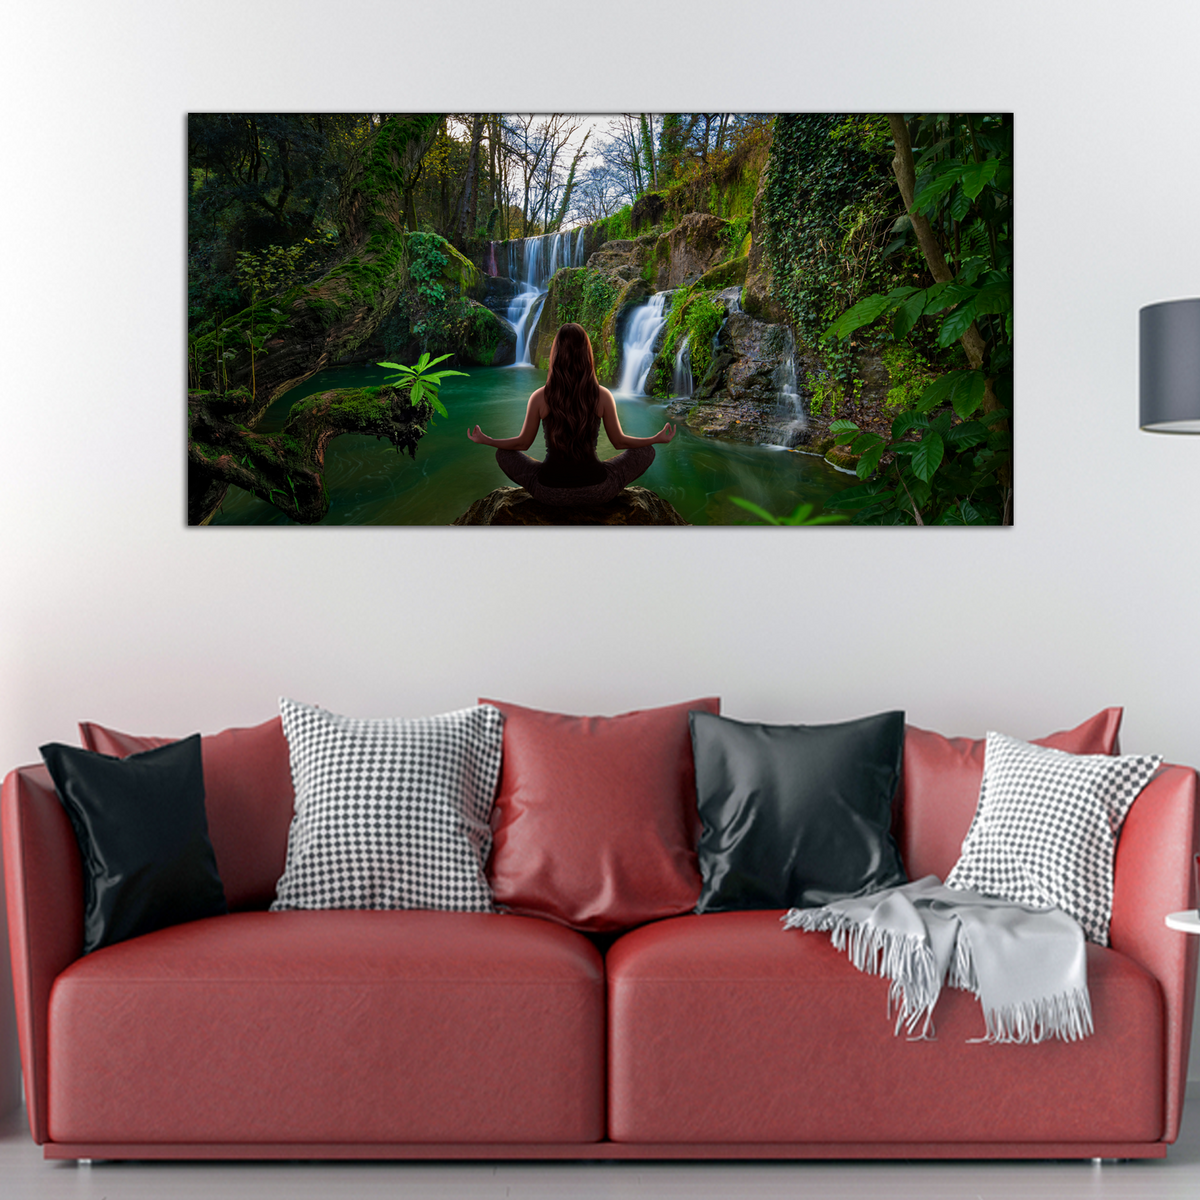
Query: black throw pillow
column 143, row 837
column 795, row 815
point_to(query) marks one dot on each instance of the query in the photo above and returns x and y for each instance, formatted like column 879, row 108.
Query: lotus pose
column 572, row 405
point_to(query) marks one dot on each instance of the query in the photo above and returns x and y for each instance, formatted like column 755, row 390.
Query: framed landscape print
column 600, row 319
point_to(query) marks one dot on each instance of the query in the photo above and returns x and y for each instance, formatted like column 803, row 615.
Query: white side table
column 1187, row 921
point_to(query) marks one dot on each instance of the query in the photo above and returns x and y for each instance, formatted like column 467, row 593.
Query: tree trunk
column 906, row 178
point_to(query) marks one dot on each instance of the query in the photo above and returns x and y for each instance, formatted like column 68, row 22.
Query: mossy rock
column 461, row 272
column 633, row 505
column 726, row 274
column 490, row 340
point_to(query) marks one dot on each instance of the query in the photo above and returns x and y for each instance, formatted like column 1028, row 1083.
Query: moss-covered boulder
column 460, row 272
column 515, row 506
column 579, row 294
column 488, row 339
column 726, row 274
column 748, row 393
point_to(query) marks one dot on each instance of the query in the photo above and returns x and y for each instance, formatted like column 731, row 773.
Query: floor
column 24, row 1175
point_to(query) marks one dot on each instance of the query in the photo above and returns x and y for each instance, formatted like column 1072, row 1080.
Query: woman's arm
column 619, row 438
column 524, row 439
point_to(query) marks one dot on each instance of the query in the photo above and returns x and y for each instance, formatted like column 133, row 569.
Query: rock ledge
column 515, row 506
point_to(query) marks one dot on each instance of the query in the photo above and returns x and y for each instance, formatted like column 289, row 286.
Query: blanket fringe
column 1067, row 1016
column 904, row 959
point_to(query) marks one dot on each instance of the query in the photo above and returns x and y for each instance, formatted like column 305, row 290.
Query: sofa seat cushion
column 335, row 1026
column 723, row 1028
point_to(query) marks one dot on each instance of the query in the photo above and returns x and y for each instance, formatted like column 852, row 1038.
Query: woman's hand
column 665, row 434
column 477, row 435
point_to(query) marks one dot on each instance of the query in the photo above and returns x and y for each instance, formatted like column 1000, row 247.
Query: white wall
column 111, row 609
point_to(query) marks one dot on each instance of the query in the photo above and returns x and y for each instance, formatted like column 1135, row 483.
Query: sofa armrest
column 1153, row 876
column 44, row 889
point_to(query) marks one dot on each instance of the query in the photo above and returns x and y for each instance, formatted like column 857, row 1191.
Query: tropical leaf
column 928, row 456
column 869, row 309
column 976, row 176
column 968, row 393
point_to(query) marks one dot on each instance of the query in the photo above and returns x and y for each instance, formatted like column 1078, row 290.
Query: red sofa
column 416, row 1034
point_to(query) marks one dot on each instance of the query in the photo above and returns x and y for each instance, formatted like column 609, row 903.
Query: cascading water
column 681, row 381
column 646, row 322
column 788, row 402
column 531, row 268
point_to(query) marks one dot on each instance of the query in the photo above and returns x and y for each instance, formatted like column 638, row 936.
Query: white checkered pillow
column 1046, row 827
column 390, row 813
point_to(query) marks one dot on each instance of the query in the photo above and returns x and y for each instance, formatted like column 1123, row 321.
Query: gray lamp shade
column 1170, row 367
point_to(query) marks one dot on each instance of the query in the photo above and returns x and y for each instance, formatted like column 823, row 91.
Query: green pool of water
column 369, row 483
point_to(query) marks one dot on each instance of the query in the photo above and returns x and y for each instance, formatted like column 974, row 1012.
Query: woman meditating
column 572, row 405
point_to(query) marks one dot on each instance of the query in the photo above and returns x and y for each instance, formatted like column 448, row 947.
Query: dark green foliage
column 828, row 204
column 697, row 315
column 260, row 180
column 946, row 463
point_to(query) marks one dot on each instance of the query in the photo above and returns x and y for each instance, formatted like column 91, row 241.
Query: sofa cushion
column 328, row 1027
column 939, row 787
column 722, row 1028
column 595, row 820
column 248, row 798
column 390, row 813
column 143, row 838
column 795, row 815
column 1045, row 831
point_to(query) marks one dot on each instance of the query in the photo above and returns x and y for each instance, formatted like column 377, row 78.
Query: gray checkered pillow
column 390, row 813
column 1046, row 827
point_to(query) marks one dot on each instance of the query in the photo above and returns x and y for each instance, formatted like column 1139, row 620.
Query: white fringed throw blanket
column 1028, row 969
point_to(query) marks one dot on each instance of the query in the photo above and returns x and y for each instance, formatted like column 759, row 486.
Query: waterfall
column 577, row 259
column 646, row 322
column 531, row 268
column 788, row 402
column 527, row 275
column 681, row 381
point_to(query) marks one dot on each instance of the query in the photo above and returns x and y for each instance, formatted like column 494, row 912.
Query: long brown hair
column 572, row 394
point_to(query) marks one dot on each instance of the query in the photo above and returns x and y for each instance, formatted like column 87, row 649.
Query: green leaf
column 869, row 309
column 976, row 176
column 842, row 425
column 908, row 313
column 865, row 441
column 939, row 184
column 869, row 459
column 960, row 204
column 957, row 323
column 928, row 457
column 906, row 421
column 859, row 494
column 438, row 406
column 937, row 391
column 968, row 393
column 996, row 298
column 966, row 435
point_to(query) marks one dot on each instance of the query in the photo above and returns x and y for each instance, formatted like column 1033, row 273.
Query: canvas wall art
column 461, row 319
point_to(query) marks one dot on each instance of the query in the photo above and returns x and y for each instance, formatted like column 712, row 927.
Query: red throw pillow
column 939, row 787
column 595, row 822
column 248, row 799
